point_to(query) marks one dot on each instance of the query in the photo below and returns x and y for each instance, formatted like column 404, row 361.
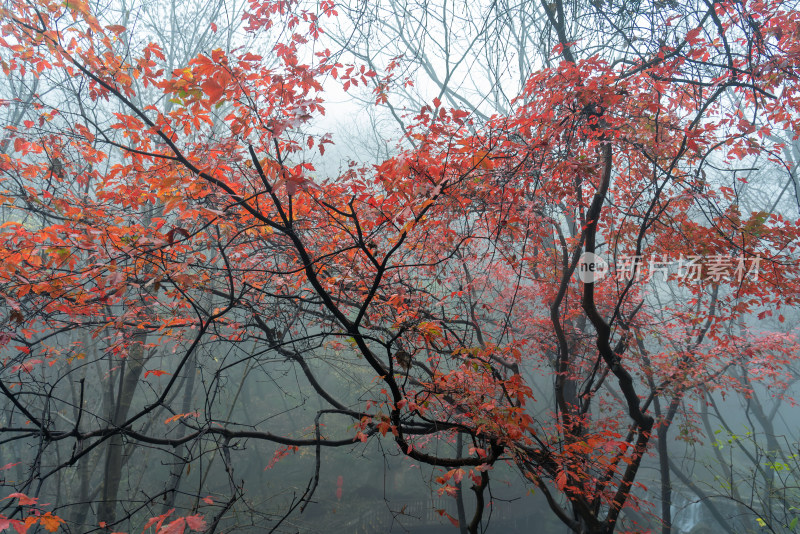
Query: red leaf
column 22, row 527
column 213, row 90
column 175, row 527
column 157, row 372
column 691, row 36
column 561, row 480
column 195, row 522
column 158, row 520
column 448, row 516
column 24, row 500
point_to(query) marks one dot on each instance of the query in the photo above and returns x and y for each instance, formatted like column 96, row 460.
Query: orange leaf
column 180, row 416
column 50, row 522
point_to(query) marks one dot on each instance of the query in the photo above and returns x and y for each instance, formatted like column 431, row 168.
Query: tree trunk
column 176, row 475
column 115, row 455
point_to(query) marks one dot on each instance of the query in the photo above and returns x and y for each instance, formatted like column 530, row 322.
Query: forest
column 418, row 266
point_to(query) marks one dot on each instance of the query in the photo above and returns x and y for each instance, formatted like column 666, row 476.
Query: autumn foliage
column 166, row 224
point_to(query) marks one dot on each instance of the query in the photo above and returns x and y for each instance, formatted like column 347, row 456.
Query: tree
column 415, row 300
